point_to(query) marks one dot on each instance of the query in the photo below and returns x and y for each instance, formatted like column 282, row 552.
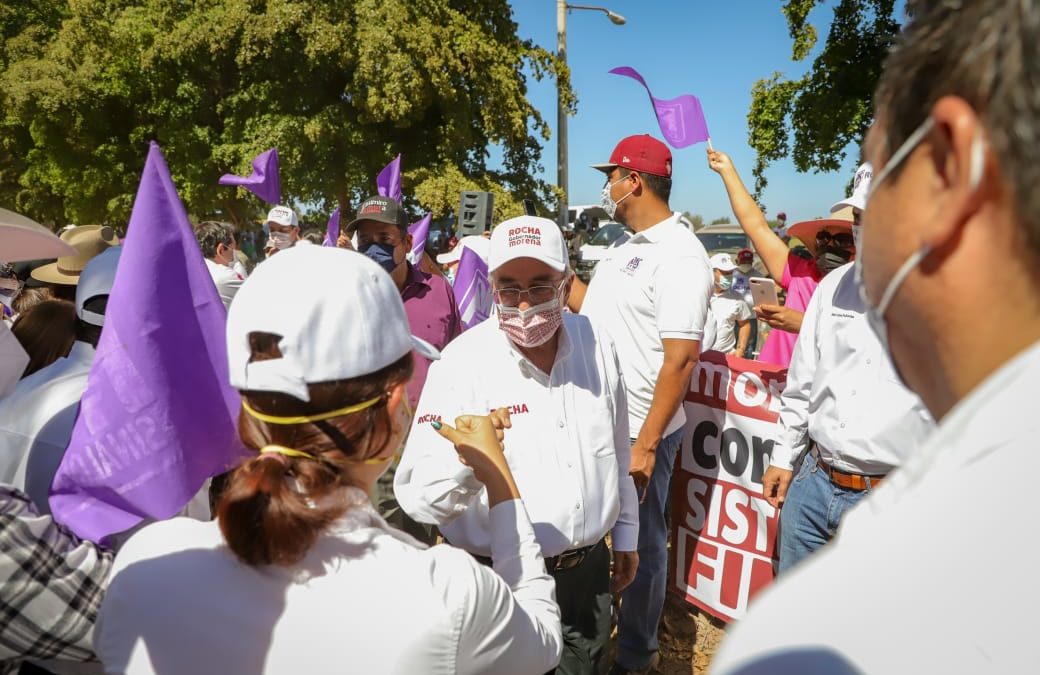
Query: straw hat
column 807, row 229
column 89, row 241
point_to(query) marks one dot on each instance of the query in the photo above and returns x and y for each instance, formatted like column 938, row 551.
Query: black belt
column 558, row 563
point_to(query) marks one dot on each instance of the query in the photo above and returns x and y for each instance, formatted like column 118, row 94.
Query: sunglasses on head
column 841, row 240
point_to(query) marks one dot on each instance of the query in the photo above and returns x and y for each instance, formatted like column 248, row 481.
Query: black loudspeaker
column 475, row 210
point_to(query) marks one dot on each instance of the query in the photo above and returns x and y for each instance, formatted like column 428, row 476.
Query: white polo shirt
column 933, row 572
column 568, row 447
column 655, row 286
column 366, row 598
column 728, row 308
column 226, row 279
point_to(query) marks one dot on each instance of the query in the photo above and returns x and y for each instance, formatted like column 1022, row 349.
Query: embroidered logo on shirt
column 515, row 409
column 525, row 236
column 632, row 265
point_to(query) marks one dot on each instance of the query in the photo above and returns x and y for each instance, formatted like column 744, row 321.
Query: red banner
column 723, row 530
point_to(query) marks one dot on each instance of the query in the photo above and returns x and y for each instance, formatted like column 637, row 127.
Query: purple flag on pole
column 158, row 416
column 472, row 288
column 264, row 181
column 681, row 119
column 388, row 182
column 332, row 229
column 420, row 231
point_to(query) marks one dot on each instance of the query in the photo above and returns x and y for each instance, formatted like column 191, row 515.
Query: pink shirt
column 801, row 277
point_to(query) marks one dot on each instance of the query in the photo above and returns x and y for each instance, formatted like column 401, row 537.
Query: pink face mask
column 533, row 326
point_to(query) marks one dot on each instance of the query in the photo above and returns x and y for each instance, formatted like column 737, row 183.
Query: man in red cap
column 650, row 295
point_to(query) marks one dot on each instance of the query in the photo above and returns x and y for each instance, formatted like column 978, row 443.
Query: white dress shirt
column 655, row 286
column 568, row 447
column 227, row 281
column 728, row 308
column 37, row 400
column 366, row 598
column 934, row 572
column 842, row 390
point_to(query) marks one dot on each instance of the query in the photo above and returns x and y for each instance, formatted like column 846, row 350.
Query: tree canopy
column 814, row 119
column 338, row 86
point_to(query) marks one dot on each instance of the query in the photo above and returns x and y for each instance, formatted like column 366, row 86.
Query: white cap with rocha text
column 349, row 322
column 860, row 186
column 527, row 237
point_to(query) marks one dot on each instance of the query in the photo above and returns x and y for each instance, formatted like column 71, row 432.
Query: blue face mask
column 383, row 254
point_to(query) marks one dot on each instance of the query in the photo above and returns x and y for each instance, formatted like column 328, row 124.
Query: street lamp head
column 616, row 19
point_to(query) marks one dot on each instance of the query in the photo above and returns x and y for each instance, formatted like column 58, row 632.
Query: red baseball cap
column 642, row 153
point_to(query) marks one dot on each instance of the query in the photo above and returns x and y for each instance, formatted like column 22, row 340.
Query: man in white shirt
column 650, row 295
column 559, row 383
column 217, row 241
column 936, row 571
column 729, row 309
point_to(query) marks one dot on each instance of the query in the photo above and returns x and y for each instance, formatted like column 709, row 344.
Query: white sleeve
column 794, row 402
column 744, row 312
column 509, row 622
column 431, row 484
column 682, row 291
column 625, row 534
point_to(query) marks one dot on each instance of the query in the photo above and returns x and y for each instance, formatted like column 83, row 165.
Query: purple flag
column 681, row 119
column 472, row 288
column 420, row 231
column 263, row 182
column 332, row 229
column 388, row 182
column 158, row 416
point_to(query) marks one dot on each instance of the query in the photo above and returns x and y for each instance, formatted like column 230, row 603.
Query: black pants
column 583, row 593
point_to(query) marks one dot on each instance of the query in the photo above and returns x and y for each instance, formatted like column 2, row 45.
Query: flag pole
column 709, row 145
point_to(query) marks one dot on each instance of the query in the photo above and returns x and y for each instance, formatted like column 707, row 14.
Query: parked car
column 609, row 234
column 723, row 238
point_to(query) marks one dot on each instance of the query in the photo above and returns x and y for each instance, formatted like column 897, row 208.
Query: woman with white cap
column 299, row 573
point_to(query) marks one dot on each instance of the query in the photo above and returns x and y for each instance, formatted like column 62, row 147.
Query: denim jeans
column 643, row 601
column 812, row 512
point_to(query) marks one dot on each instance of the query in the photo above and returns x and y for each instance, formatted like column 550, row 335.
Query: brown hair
column 30, row 297
column 275, row 507
column 46, row 333
column 987, row 53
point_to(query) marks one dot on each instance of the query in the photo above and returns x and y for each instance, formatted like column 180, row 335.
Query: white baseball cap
column 723, row 262
column 282, row 215
column 350, row 322
column 477, row 243
column 527, row 237
column 96, row 279
column 860, row 187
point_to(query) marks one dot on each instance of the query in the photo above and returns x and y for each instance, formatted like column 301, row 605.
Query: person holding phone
column 829, row 241
column 299, row 573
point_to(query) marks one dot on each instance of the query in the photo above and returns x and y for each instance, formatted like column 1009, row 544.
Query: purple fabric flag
column 472, row 288
column 264, row 181
column 420, row 231
column 158, row 416
column 681, row 119
column 388, row 182
column 332, row 229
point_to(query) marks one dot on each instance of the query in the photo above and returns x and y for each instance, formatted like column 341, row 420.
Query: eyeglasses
column 841, row 240
column 536, row 295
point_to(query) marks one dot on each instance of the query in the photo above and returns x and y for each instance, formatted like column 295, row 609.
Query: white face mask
column 607, row 202
column 744, row 268
column 531, row 327
column 876, row 313
column 279, row 240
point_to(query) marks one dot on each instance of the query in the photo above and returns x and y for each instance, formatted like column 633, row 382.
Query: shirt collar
column 655, row 233
column 416, row 277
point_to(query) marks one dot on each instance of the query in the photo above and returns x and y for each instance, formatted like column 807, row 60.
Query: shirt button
column 569, row 465
column 868, row 361
column 842, row 425
column 559, row 423
column 577, row 507
column 853, row 392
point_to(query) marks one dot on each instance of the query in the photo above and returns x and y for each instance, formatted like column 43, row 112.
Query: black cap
column 381, row 210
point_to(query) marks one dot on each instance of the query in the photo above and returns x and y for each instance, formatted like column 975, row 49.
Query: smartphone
column 763, row 291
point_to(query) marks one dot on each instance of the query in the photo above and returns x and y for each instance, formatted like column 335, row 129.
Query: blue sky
column 713, row 49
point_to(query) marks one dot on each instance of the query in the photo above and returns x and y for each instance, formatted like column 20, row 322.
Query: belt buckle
column 569, row 559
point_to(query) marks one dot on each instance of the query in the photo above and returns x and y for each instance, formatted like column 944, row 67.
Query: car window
column 608, row 234
column 719, row 241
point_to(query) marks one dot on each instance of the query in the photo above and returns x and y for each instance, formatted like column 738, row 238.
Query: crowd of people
column 424, row 496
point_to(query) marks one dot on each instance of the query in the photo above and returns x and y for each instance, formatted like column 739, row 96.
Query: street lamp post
column 561, row 110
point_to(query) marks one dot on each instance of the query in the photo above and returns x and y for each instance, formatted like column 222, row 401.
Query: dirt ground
column 689, row 639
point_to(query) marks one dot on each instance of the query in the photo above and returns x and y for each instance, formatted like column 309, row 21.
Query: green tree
column 720, row 221
column 695, row 219
column 815, row 118
column 338, row 86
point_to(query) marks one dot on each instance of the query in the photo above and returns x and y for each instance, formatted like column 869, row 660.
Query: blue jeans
column 643, row 601
column 812, row 512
